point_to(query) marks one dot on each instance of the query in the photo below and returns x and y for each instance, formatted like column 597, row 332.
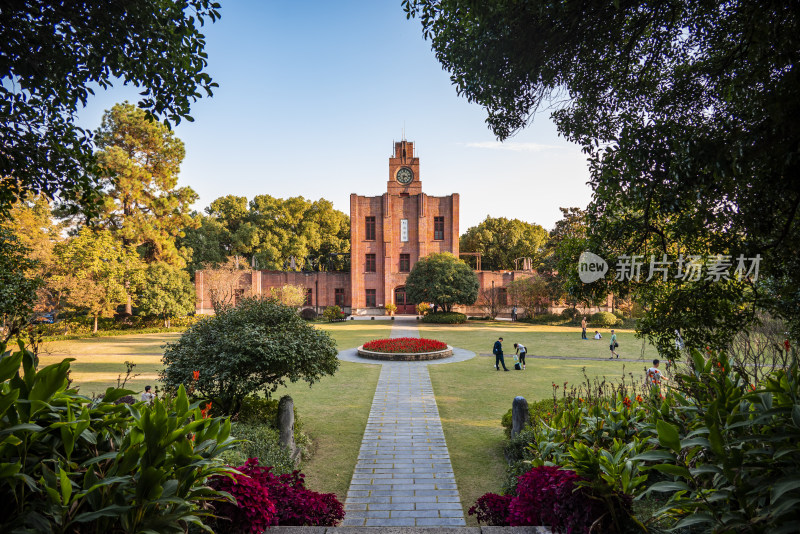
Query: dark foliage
column 265, row 499
column 52, row 54
column 492, row 509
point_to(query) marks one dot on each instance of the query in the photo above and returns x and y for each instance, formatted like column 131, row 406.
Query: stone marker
column 286, row 425
column 520, row 417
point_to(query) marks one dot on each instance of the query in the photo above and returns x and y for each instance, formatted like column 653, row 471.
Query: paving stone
column 441, row 522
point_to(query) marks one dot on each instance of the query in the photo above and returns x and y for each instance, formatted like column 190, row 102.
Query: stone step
column 409, row 530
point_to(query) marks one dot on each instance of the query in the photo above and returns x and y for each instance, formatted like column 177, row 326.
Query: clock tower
column 404, row 170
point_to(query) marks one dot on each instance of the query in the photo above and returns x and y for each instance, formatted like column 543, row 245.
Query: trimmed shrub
column 445, row 318
column 603, row 320
column 255, row 347
column 309, row 314
column 333, row 313
column 571, row 314
column 618, row 314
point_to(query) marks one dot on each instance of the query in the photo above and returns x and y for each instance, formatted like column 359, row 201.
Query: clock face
column 405, row 175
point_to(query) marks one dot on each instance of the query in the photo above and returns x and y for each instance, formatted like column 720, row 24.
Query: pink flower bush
column 404, row 345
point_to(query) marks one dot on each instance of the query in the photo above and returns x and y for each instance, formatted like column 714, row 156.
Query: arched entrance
column 404, row 306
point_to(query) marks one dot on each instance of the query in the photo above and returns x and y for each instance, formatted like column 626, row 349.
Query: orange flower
column 627, row 402
column 639, row 398
column 204, row 411
column 752, row 387
column 580, row 400
column 196, row 375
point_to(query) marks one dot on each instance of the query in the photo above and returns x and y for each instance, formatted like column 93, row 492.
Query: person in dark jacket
column 498, row 355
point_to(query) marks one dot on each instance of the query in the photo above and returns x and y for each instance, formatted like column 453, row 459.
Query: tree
column 17, row 287
column 224, row 284
column 532, row 293
column 288, row 294
column 139, row 162
column 443, row 279
column 93, row 269
column 500, row 241
column 52, row 57
column 166, row 291
column 202, row 244
column 34, row 227
column 256, row 346
column 683, row 108
column 568, row 240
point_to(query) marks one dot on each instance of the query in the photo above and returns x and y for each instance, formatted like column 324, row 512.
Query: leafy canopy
column 52, row 56
column 256, row 346
column 443, row 279
column 500, row 241
column 684, row 109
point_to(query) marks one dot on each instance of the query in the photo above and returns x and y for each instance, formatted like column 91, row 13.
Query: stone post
column 520, row 417
column 286, row 424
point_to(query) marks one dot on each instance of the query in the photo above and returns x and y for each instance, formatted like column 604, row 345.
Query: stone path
column 403, row 477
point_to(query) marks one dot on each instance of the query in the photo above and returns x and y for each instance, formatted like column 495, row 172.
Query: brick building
column 388, row 235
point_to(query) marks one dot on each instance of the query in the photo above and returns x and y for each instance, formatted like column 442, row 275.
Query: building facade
column 388, row 235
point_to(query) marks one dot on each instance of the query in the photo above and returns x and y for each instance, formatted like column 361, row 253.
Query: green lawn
column 540, row 340
column 471, row 395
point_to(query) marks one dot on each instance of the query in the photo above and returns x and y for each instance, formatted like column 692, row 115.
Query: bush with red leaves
column 492, row 509
column 253, row 510
column 298, row 506
column 546, row 496
column 264, row 499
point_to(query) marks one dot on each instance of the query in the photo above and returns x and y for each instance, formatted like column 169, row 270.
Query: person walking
column 583, row 329
column 613, row 346
column 498, row 355
column 514, row 313
column 522, row 351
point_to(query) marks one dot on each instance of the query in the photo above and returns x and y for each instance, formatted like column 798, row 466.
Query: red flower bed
column 404, row 345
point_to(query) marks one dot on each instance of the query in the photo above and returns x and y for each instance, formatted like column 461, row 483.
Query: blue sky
column 312, row 96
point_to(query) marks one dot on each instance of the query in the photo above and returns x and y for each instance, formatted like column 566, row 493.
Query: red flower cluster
column 264, row 499
column 404, row 345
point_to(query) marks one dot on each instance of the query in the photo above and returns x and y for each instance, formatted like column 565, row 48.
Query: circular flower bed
column 404, row 344
column 405, row 349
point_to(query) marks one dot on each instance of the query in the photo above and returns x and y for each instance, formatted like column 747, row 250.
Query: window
column 502, row 296
column 369, row 266
column 405, row 263
column 369, row 230
column 438, row 228
column 338, row 296
column 309, row 297
column 370, row 294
